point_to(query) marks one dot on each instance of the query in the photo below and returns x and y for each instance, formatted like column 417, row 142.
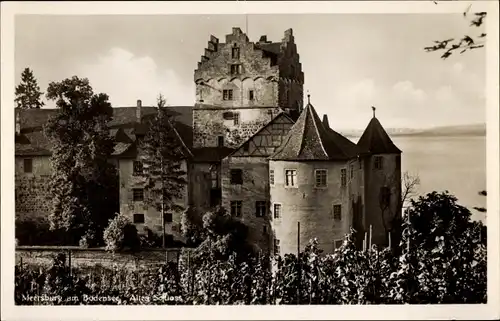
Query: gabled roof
column 33, row 142
column 375, row 140
column 280, row 118
column 309, row 140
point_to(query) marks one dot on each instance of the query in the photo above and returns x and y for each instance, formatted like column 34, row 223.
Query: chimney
column 325, row 121
column 138, row 111
column 18, row 123
column 263, row 39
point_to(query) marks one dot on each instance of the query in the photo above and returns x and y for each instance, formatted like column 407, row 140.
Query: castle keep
column 251, row 147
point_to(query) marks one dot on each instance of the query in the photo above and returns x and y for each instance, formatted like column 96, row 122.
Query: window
column 236, row 119
column 28, row 165
column 245, row 147
column 250, row 95
column 138, row 168
column 338, row 243
column 337, row 212
column 168, row 218
column 214, row 177
column 235, row 69
column 138, row 218
column 271, row 176
column 260, row 208
column 351, row 170
column 277, row 211
column 385, row 196
column 343, row 177
column 236, row 176
column 290, row 177
column 276, row 247
column 169, row 239
column 138, row 194
column 227, row 94
column 220, row 141
column 235, row 54
column 321, row 175
column 236, row 208
column 378, row 162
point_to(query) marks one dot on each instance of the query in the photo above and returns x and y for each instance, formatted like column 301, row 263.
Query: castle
column 251, row 147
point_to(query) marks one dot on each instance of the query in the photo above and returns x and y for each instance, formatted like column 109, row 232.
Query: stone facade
column 311, row 206
column 32, row 194
column 152, row 217
column 211, row 123
column 253, row 190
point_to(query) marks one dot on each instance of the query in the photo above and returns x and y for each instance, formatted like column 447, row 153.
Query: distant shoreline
column 423, row 135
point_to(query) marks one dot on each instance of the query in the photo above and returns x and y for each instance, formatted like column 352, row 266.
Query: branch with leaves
column 465, row 43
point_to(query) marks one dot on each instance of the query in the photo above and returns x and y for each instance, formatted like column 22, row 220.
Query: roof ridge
column 317, row 130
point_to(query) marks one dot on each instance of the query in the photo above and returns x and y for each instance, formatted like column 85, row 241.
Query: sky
column 350, row 61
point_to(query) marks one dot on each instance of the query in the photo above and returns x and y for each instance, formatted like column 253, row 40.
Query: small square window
column 220, row 141
column 235, row 53
column 260, row 208
column 271, row 176
column 337, row 212
column 138, row 194
column 236, row 208
column 277, row 211
column 236, row 176
column 276, row 247
column 138, row 168
column 235, row 69
column 138, row 218
column 168, row 217
column 28, row 165
column 321, row 177
column 343, row 177
column 250, row 95
column 378, row 162
column 227, row 94
column 290, row 178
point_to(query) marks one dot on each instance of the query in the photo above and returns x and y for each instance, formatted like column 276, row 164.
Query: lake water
column 455, row 164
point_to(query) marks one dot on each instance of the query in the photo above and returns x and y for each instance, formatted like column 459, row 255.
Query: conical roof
column 308, row 139
column 375, row 140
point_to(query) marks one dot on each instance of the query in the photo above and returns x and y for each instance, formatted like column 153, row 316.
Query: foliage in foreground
column 443, row 260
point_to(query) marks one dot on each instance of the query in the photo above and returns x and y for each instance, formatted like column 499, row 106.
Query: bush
column 120, row 234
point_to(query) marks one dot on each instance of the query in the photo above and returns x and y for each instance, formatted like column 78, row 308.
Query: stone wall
column 256, row 73
column 152, row 217
column 87, row 258
column 290, row 74
column 255, row 188
column 32, row 195
column 390, row 176
column 209, row 123
column 311, row 206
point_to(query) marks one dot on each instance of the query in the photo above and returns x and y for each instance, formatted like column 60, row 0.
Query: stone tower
column 381, row 163
column 242, row 85
column 314, row 181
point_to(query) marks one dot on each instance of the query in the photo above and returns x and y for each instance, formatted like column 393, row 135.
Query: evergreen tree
column 162, row 153
column 83, row 182
column 28, row 92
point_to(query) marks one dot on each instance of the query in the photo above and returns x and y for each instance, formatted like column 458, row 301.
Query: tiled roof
column 309, row 140
column 375, row 140
column 32, row 141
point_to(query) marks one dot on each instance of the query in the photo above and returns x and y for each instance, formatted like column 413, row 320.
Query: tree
column 465, row 43
column 162, row 153
column 28, row 92
column 83, row 182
